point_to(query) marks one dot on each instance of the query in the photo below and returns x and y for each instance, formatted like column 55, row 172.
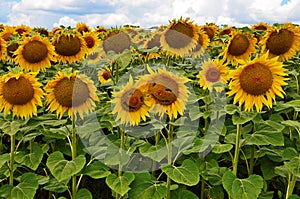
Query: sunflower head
column 20, row 93
column 91, row 40
column 202, row 44
column 70, row 92
column 23, row 30
column 257, row 82
column 42, row 31
column 180, row 37
column 104, row 76
column 210, row 29
column 82, row 28
column 7, row 33
column 282, row 41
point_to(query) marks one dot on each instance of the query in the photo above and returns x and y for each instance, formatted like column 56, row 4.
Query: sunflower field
column 181, row 111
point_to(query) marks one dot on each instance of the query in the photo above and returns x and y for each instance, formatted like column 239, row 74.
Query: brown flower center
column 260, row 27
column 71, row 92
column 132, row 100
column 179, row 35
column 280, row 42
column 93, row 55
column 18, row 91
column 90, row 42
column 7, row 36
column 212, row 74
column 209, row 31
column 154, row 42
column 199, row 44
column 256, row 79
column 239, row 45
column 105, row 75
column 116, row 41
column 164, row 90
column 10, row 49
column 35, row 51
column 67, row 45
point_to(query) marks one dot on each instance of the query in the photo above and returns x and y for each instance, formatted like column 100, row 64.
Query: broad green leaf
column 222, row 148
column 289, row 153
column 84, row 194
column 183, row 194
column 187, row 173
column 31, row 160
column 215, row 192
column 11, row 127
column 96, row 170
column 293, row 166
column 267, row 168
column 147, row 187
column 155, row 152
column 4, row 158
column 120, row 184
column 247, row 188
column 57, row 133
column 63, row 169
column 115, row 156
column 231, row 109
column 54, row 185
column 215, row 174
column 291, row 123
column 242, row 117
column 26, row 189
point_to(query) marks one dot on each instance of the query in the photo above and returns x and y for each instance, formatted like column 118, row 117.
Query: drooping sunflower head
column 213, row 72
column 152, row 42
column 179, row 38
column 104, row 76
column 20, row 94
column 42, row 31
column 210, row 29
column 202, row 44
column 11, row 46
column 95, row 55
column 116, row 40
column 166, row 92
column 71, row 92
column 35, row 53
column 129, row 104
column 258, row 82
column 282, row 41
column 70, row 46
column 225, row 31
column 101, row 31
column 82, row 28
column 240, row 46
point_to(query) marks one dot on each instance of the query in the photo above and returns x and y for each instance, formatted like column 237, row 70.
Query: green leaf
column 120, row 184
column 183, row 194
column 215, row 192
column 26, row 189
column 147, row 187
column 63, row 169
column 222, row 148
column 96, row 170
column 11, row 127
column 155, row 152
column 242, row 117
column 294, row 166
column 247, row 188
column 84, row 194
column 4, row 158
column 55, row 186
column 31, row 160
column 231, row 109
column 187, row 173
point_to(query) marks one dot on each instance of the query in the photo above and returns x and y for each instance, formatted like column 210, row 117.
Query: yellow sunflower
column 226, row 31
column 202, row 44
column 20, row 93
column 179, row 38
column 35, row 53
column 210, row 29
column 95, row 56
column 166, row 92
column 7, row 33
column 261, row 26
column 129, row 104
column 82, row 27
column 282, row 41
column 104, row 76
column 23, row 30
column 257, row 82
column 102, row 31
column 212, row 72
column 241, row 45
column 2, row 49
column 11, row 47
column 153, row 41
column 91, row 40
column 70, row 92
column 70, row 46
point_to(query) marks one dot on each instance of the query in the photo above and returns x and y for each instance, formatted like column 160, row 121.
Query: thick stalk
column 237, row 149
column 169, row 144
column 12, row 159
column 122, row 145
column 251, row 160
column 74, row 155
column 291, row 185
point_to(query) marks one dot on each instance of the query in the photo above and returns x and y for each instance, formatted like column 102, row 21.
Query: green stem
column 251, row 159
column 122, row 146
column 12, row 159
column 202, row 188
column 74, row 155
column 169, row 148
column 291, row 185
column 237, row 149
column 157, row 138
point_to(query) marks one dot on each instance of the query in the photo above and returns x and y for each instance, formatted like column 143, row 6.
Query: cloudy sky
column 146, row 13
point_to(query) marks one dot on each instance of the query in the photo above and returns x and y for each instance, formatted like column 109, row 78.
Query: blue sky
column 146, row 13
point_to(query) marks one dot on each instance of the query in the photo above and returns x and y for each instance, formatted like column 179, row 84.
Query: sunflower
column 226, row 31
column 11, row 47
column 179, row 38
column 91, row 40
column 102, row 31
column 35, row 53
column 20, row 93
column 82, row 28
column 23, row 30
column 166, row 92
column 241, row 45
column 212, row 72
column 104, row 76
column 152, row 42
column 261, row 26
column 2, row 49
column 257, row 82
column 202, row 44
column 116, row 40
column 42, row 31
column 7, row 33
column 70, row 91
column 129, row 104
column 210, row 29
column 70, row 46
column 94, row 56
column 282, row 41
